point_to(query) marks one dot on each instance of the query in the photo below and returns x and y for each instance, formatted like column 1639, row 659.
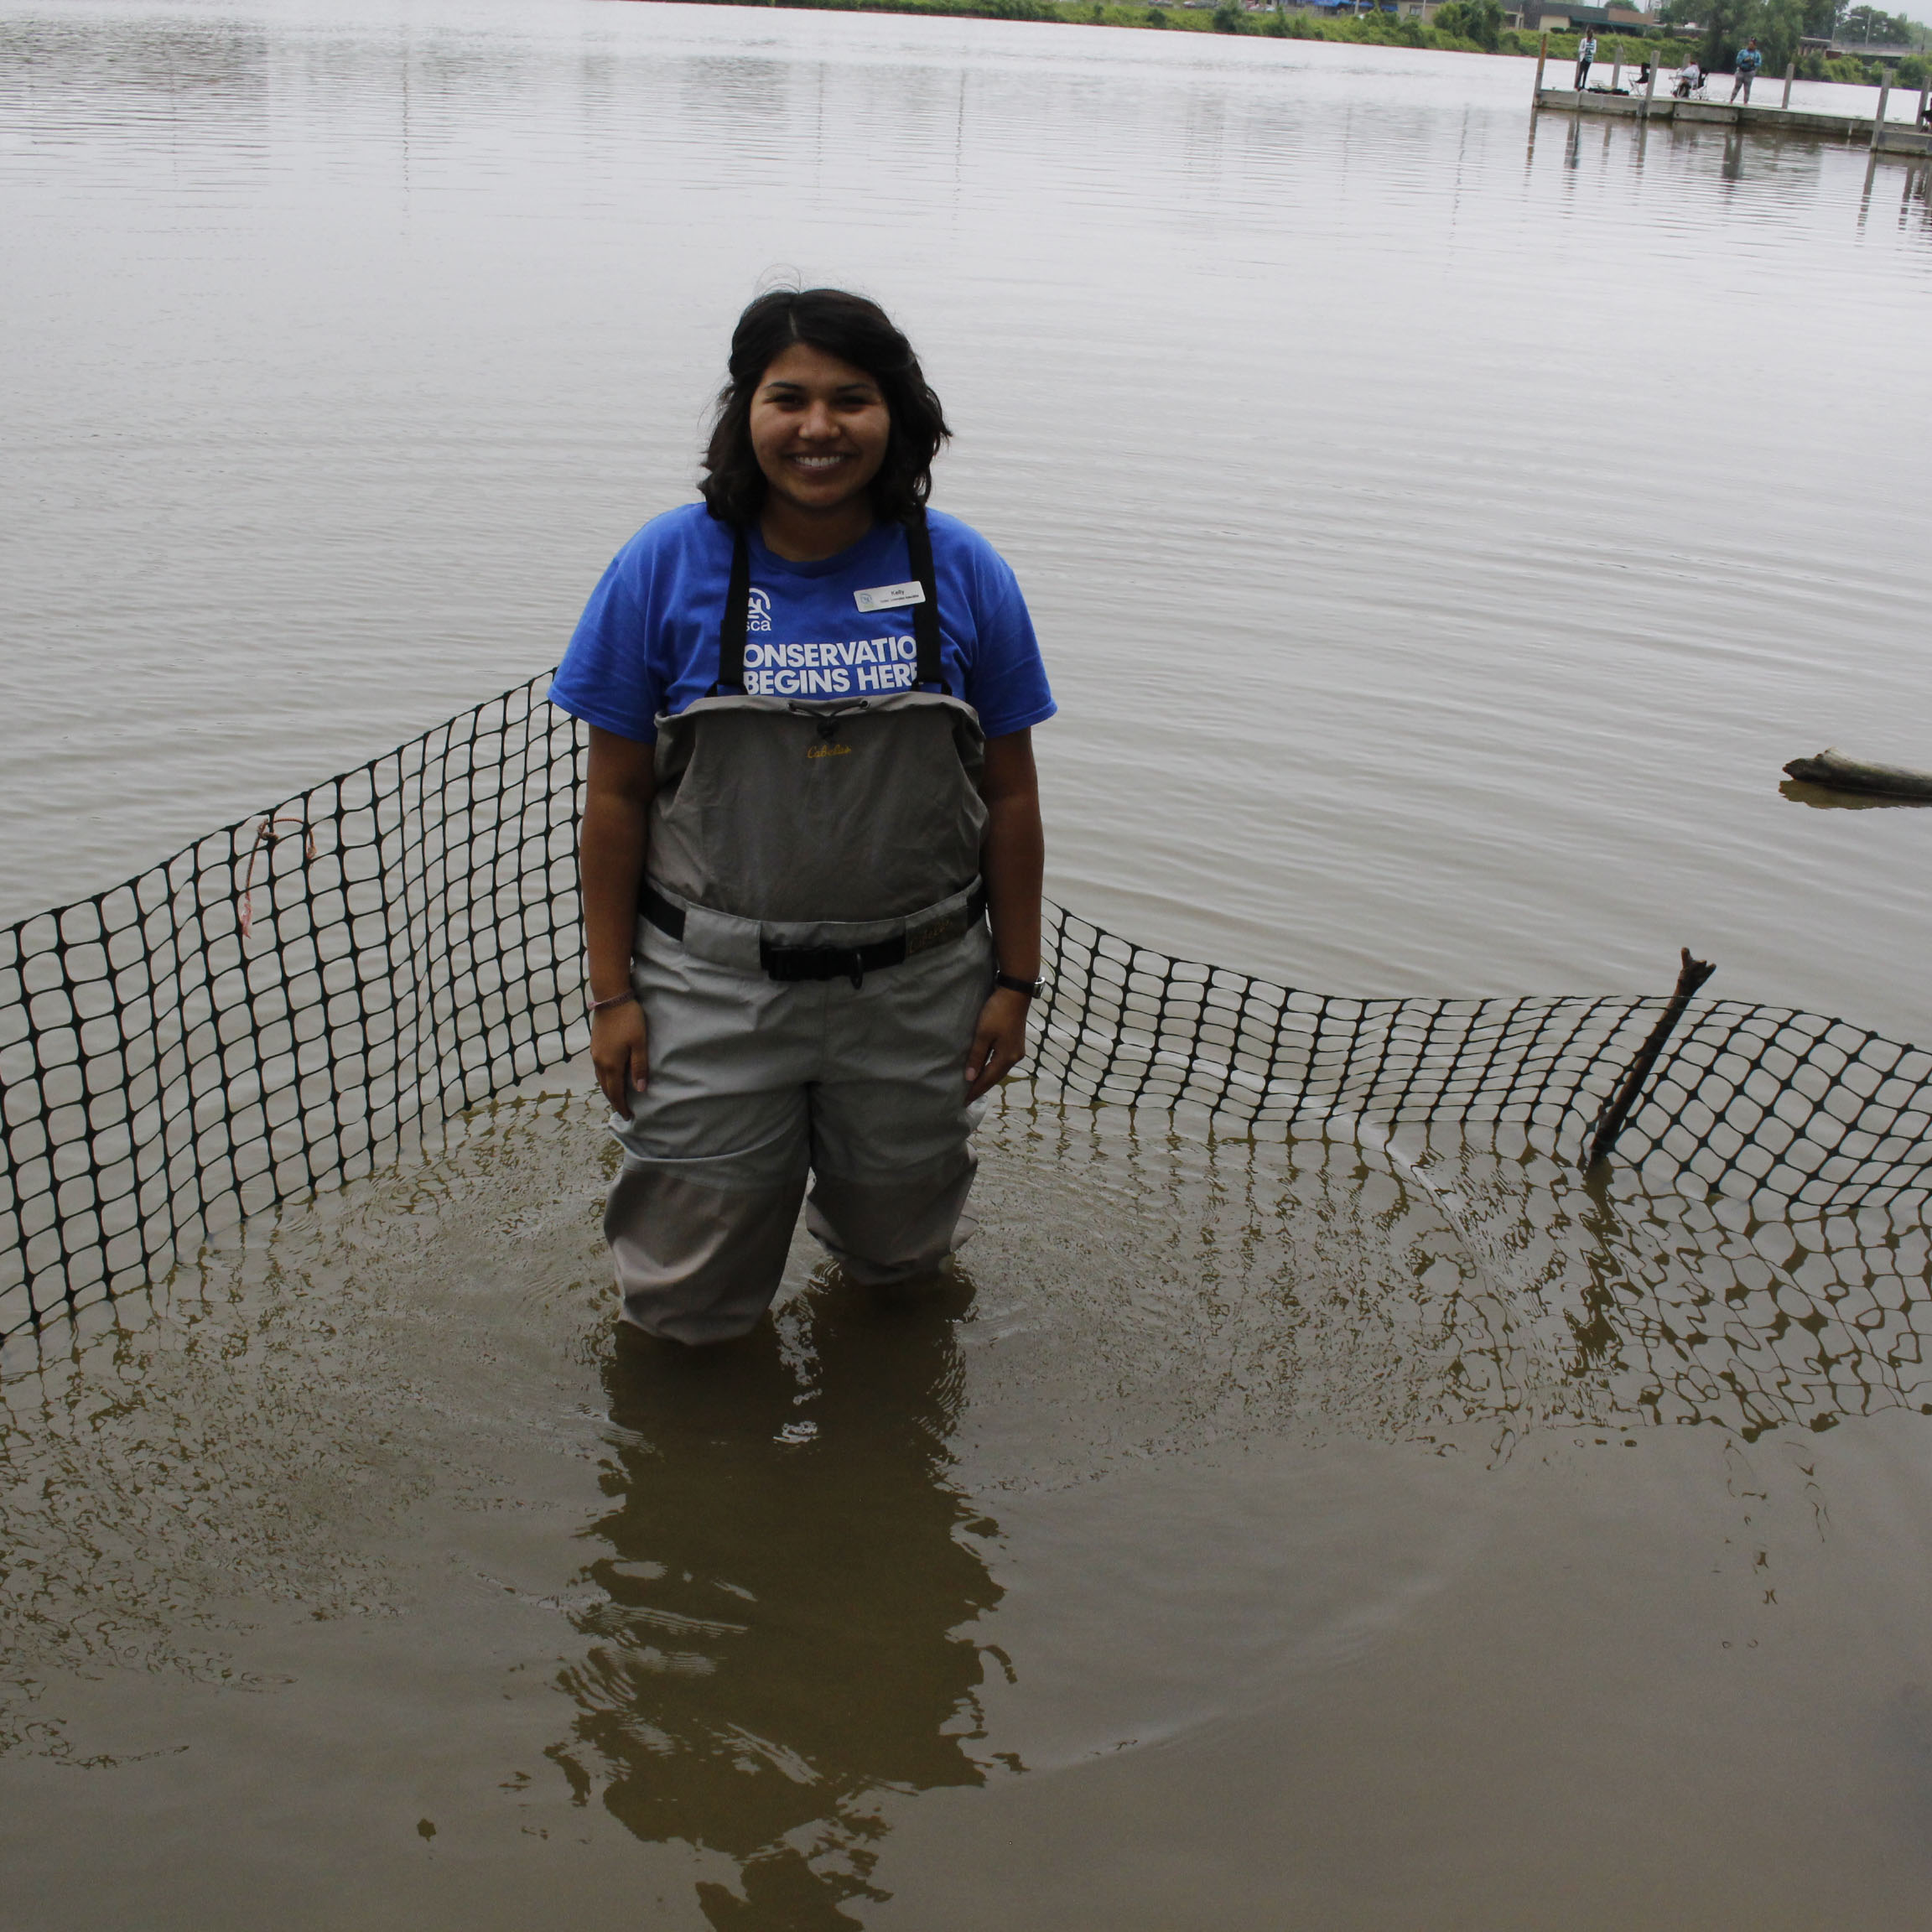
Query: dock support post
column 1650, row 90
column 1542, row 55
column 1924, row 95
column 1878, row 119
column 1790, row 70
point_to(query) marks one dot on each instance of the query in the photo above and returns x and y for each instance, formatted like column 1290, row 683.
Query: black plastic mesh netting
column 1747, row 1100
column 298, row 998
column 287, row 1003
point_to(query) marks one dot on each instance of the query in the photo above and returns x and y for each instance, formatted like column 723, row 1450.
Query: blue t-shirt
column 647, row 642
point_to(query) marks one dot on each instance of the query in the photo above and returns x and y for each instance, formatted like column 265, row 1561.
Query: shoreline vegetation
column 1460, row 27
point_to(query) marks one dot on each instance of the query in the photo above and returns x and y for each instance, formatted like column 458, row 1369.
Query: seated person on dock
column 1690, row 81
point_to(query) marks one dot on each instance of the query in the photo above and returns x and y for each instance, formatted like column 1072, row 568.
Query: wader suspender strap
column 737, row 618
column 931, row 668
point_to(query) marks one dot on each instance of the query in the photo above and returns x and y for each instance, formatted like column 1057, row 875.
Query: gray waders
column 812, row 957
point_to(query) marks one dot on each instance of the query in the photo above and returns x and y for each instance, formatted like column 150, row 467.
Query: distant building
column 1860, row 50
column 1564, row 18
column 1557, row 17
column 1422, row 10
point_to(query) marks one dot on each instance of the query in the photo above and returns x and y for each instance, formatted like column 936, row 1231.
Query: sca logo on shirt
column 758, row 609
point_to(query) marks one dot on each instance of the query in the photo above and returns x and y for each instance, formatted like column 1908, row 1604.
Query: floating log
column 1833, row 768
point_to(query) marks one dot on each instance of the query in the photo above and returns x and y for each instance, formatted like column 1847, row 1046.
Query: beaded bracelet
column 615, row 1000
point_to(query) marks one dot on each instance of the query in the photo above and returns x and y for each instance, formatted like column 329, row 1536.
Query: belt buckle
column 793, row 965
column 781, row 963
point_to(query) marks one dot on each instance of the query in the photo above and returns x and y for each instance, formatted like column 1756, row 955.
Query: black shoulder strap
column 932, row 666
column 737, row 617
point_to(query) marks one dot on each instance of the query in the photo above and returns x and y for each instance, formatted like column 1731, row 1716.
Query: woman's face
column 819, row 428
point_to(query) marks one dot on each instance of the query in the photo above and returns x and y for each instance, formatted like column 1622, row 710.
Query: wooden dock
column 1883, row 137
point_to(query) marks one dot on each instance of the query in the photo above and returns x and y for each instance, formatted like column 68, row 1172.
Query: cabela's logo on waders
column 757, row 610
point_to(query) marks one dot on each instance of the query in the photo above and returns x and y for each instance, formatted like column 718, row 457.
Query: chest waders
column 812, row 957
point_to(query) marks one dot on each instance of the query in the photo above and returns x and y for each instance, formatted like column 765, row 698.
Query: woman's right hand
column 617, row 1052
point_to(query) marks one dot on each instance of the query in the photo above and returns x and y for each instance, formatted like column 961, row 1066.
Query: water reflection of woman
column 811, row 793
column 780, row 1643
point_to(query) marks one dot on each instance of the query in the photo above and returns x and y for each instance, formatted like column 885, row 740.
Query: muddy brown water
column 1403, row 1537
column 1441, row 532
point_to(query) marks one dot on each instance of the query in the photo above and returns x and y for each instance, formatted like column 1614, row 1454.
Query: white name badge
column 889, row 597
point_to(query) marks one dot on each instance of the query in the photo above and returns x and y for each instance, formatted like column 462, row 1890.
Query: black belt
column 853, row 963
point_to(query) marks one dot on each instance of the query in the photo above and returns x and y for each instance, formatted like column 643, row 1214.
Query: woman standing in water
column 811, row 789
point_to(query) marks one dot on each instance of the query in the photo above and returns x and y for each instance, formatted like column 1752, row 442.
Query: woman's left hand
column 999, row 1042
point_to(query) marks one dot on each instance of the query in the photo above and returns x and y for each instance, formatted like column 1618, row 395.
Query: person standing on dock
column 1749, row 60
column 1586, row 53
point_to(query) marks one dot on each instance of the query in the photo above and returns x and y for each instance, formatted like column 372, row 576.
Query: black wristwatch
column 1030, row 988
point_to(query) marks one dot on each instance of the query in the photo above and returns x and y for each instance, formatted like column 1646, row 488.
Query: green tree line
column 1465, row 26
column 1778, row 25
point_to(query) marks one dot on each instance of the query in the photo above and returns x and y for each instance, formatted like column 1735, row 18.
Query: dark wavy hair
column 856, row 331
